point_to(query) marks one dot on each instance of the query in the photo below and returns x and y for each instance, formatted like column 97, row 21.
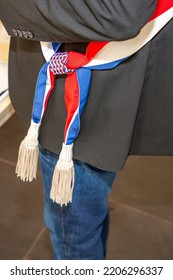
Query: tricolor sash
column 78, row 68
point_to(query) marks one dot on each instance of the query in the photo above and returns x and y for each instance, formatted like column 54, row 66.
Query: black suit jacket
column 129, row 110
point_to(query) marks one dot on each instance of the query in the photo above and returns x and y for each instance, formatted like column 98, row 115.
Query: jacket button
column 30, row 35
column 19, row 32
column 14, row 31
column 25, row 34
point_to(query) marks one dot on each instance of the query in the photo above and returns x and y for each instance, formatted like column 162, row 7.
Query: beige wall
column 4, row 43
column 6, row 109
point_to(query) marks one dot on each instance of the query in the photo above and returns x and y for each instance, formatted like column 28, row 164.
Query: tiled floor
column 141, row 216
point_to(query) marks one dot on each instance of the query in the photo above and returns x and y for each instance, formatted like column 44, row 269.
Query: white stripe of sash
column 120, row 49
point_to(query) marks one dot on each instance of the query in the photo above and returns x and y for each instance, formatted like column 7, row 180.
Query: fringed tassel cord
column 63, row 177
column 27, row 162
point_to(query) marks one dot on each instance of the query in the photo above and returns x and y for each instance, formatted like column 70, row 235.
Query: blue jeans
column 79, row 230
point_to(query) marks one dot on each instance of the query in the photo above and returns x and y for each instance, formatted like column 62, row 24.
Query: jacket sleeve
column 76, row 20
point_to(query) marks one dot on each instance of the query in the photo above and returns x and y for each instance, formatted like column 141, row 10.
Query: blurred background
column 141, row 202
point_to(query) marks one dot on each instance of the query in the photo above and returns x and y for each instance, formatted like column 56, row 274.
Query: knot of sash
column 66, row 62
column 58, row 63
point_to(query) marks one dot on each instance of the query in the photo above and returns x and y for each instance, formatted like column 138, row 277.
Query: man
column 127, row 111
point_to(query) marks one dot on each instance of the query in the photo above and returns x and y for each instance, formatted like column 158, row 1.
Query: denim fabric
column 79, row 230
